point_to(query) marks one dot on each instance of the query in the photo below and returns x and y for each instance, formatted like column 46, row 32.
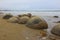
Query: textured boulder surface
column 37, row 23
column 29, row 15
column 19, row 15
column 24, row 15
column 7, row 16
column 23, row 20
column 13, row 20
column 56, row 30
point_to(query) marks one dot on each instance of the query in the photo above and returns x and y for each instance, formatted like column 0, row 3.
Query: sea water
column 39, row 13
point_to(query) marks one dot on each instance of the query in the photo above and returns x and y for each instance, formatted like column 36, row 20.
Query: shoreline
column 33, row 13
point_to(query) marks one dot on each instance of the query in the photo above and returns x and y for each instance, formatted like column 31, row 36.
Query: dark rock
column 56, row 16
column 7, row 16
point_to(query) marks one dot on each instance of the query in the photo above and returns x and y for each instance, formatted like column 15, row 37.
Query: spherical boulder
column 24, row 15
column 37, row 23
column 7, row 16
column 29, row 15
column 19, row 15
column 56, row 30
column 23, row 20
column 13, row 20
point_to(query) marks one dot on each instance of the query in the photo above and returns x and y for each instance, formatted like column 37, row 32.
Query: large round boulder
column 56, row 30
column 37, row 23
column 7, row 16
column 13, row 20
column 24, row 15
column 19, row 15
column 23, row 20
column 29, row 15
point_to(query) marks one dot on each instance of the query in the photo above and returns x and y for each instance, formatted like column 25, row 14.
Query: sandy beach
column 29, row 19
column 15, row 31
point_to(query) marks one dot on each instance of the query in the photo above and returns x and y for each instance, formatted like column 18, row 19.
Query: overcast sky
column 29, row 4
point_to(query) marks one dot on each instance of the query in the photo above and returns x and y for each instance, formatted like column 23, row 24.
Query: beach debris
column 13, row 20
column 56, row 16
column 56, row 30
column 37, row 23
column 7, row 16
column 23, row 20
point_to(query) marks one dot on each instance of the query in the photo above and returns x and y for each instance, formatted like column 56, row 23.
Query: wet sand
column 14, row 31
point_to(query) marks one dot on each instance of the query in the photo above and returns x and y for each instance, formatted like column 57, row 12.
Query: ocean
column 38, row 13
